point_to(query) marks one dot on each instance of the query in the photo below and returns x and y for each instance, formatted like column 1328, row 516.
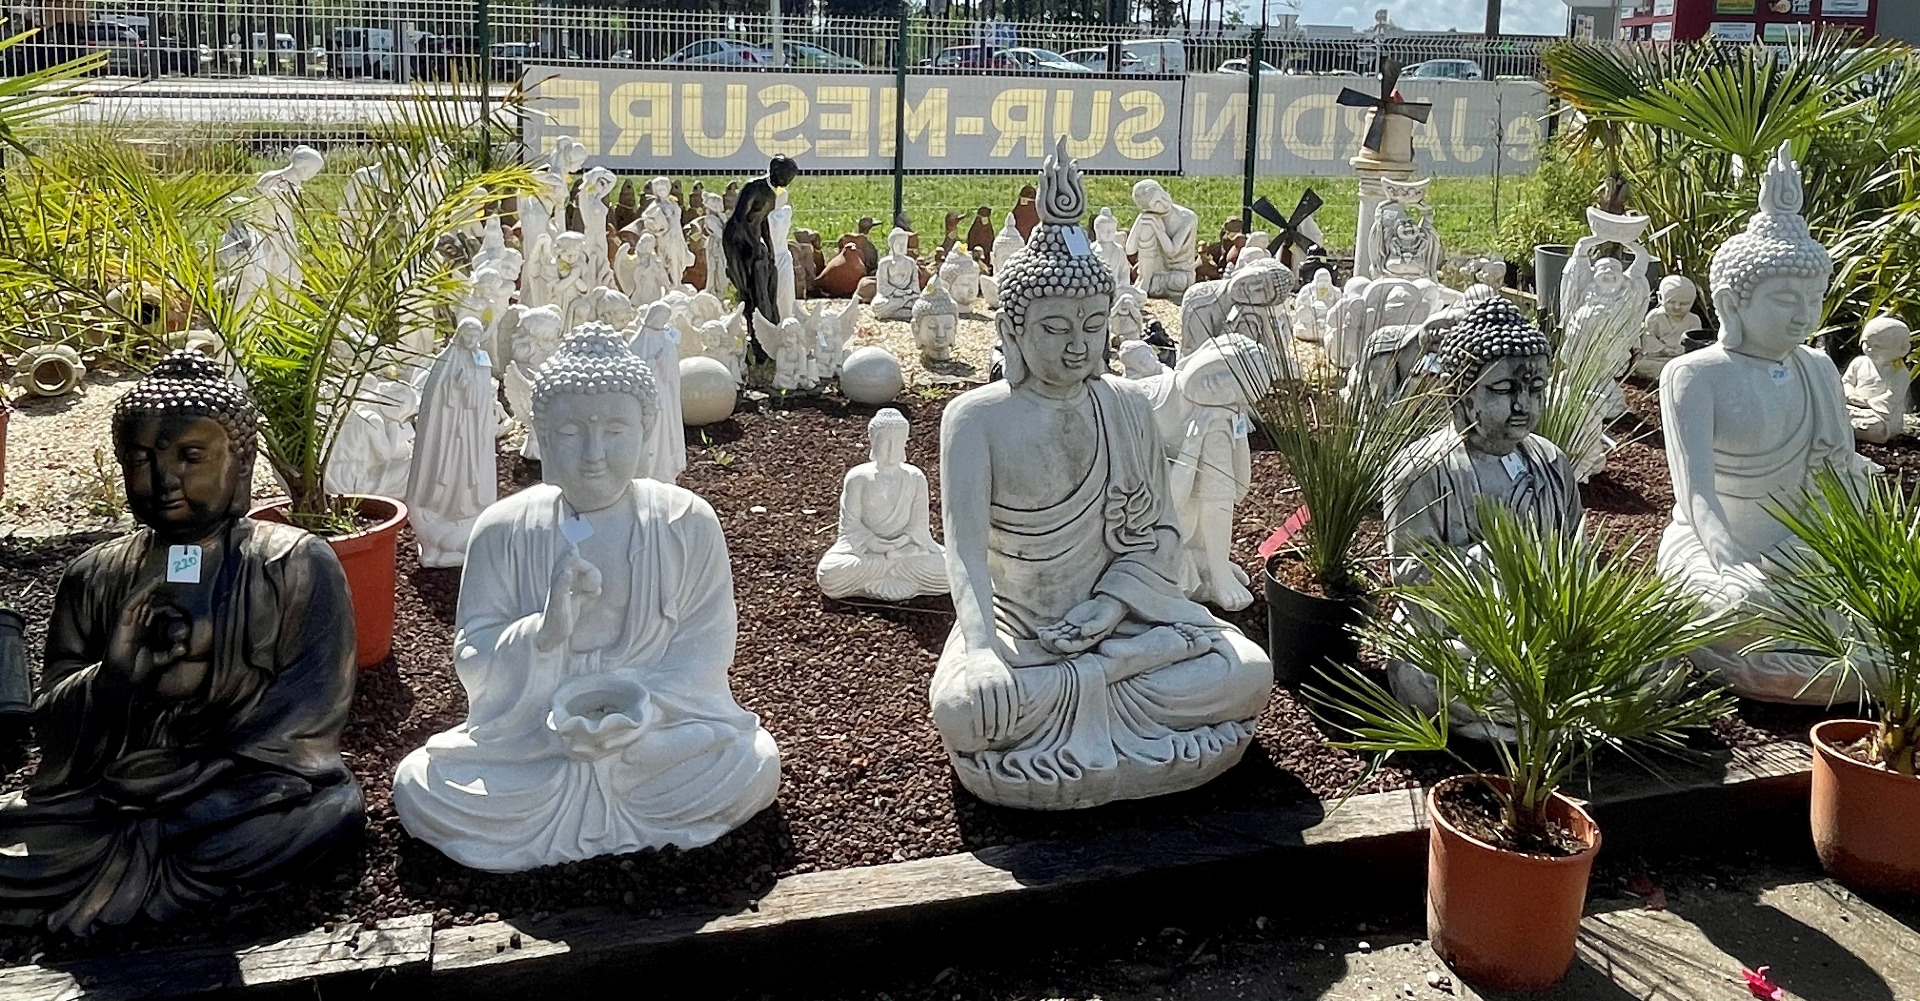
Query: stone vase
column 1549, row 264
column 1866, row 820
column 1505, row 920
column 369, row 557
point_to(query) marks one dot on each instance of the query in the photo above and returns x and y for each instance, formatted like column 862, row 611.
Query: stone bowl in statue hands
column 600, row 715
column 1621, row 229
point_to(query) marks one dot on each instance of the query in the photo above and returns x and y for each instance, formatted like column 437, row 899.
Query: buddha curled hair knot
column 886, row 420
column 1776, row 243
column 188, row 382
column 1491, row 329
column 593, row 359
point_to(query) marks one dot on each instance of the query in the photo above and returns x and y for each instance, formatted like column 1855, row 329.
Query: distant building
column 1592, row 21
column 1773, row 21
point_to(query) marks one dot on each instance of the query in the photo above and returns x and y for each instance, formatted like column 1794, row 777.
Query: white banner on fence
column 646, row 120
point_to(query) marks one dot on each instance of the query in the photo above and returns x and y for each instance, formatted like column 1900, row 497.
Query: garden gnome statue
column 1494, row 367
column 936, row 320
column 1162, row 241
column 885, row 549
column 1748, row 422
column 1877, row 382
column 896, row 280
column 1663, row 333
column 595, row 628
column 1111, row 246
column 197, row 676
column 1077, row 673
column 749, row 246
column 657, row 343
column 1213, row 467
column 453, row 478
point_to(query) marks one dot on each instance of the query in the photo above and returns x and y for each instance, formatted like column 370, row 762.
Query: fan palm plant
column 1573, row 647
column 1852, row 596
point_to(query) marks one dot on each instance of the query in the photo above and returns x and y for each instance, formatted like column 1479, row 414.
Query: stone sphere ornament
column 707, row 393
column 872, row 376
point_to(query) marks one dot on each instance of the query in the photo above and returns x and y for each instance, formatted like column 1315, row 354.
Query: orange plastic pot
column 368, row 557
column 1866, row 820
column 1505, row 920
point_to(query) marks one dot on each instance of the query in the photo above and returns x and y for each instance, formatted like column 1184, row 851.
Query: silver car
column 1444, row 69
column 720, row 52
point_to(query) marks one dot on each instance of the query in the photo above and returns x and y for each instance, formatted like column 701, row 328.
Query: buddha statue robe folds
column 1077, row 671
column 596, row 625
column 197, row 677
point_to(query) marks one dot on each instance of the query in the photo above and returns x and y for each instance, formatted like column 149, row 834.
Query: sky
column 1528, row 17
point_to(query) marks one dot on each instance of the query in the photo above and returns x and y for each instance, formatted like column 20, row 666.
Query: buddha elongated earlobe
column 1727, row 304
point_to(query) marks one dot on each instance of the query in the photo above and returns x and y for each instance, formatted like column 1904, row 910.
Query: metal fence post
column 1256, row 58
column 900, row 119
column 485, row 41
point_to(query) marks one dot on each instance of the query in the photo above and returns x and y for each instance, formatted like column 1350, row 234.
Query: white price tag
column 576, row 530
column 482, row 358
column 183, row 564
column 1516, row 466
column 1077, row 242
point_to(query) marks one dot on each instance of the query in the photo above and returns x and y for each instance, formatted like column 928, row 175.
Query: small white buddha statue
column 595, row 628
column 1077, row 672
column 1748, row 421
column 1877, row 382
column 896, row 281
column 452, row 477
column 1663, row 334
column 1138, row 360
column 1110, row 245
column 1127, row 321
column 1313, row 305
column 960, row 276
column 1163, row 241
column 936, row 321
column 1006, row 243
column 885, row 549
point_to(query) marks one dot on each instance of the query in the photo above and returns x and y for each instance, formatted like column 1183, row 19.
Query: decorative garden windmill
column 1383, row 108
column 1297, row 237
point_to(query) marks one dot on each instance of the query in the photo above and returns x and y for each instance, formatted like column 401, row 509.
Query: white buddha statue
column 1076, row 673
column 596, row 625
column 896, row 280
column 936, row 321
column 1748, row 421
column 1312, row 306
column 1006, row 243
column 885, row 549
column 1163, row 242
column 1110, row 245
column 1663, row 333
column 960, row 276
column 453, row 478
column 1877, row 382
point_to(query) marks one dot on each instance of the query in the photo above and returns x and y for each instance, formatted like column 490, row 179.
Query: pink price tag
column 1287, row 530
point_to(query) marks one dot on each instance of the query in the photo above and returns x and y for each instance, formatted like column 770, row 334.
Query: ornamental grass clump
column 1574, row 648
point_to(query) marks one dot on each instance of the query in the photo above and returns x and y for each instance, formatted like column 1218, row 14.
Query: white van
column 361, row 52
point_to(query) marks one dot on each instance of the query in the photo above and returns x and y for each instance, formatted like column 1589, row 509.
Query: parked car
column 1238, row 67
column 720, row 52
column 1041, row 61
column 1095, row 59
column 1444, row 69
column 814, row 57
column 510, row 59
column 126, row 53
column 971, row 57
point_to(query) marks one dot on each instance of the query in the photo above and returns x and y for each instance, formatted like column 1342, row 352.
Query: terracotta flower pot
column 1866, row 820
column 1505, row 920
column 368, row 557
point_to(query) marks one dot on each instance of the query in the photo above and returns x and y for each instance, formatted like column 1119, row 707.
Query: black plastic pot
column 1307, row 633
column 16, row 685
column 1549, row 264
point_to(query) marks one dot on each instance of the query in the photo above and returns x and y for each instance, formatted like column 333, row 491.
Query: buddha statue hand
column 1084, row 626
column 147, row 640
column 574, row 580
column 993, row 697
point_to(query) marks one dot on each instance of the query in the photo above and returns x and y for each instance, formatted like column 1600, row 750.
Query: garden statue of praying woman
column 198, row 673
column 1077, row 672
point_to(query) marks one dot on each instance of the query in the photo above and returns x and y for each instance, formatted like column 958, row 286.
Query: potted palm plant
column 1339, row 450
column 1852, row 596
column 1573, row 648
column 358, row 285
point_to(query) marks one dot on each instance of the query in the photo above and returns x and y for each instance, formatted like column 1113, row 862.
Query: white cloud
column 1521, row 17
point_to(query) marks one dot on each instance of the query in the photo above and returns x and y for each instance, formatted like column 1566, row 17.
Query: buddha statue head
column 1055, row 292
column 1886, row 339
column 1495, row 366
column 594, row 405
column 936, row 320
column 1106, row 228
column 887, row 438
column 897, row 243
column 184, row 437
column 1677, row 295
column 1769, row 282
column 1150, row 196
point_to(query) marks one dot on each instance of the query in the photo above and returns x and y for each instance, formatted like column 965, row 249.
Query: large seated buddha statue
column 197, row 677
column 1748, row 421
column 1077, row 671
column 594, row 632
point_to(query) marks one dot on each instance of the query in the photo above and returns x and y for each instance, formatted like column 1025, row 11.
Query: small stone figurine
column 1878, row 381
column 596, row 624
column 749, row 251
column 792, row 352
column 1494, row 367
column 1213, row 468
column 1139, row 361
column 453, row 478
column 1110, row 245
column 715, row 221
column 1006, row 243
column 1312, row 306
column 960, row 275
column 197, row 677
column 1127, row 321
column 885, row 549
column 1663, row 334
column 896, row 280
column 936, row 320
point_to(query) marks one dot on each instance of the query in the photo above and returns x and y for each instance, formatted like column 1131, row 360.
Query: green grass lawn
column 832, row 205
